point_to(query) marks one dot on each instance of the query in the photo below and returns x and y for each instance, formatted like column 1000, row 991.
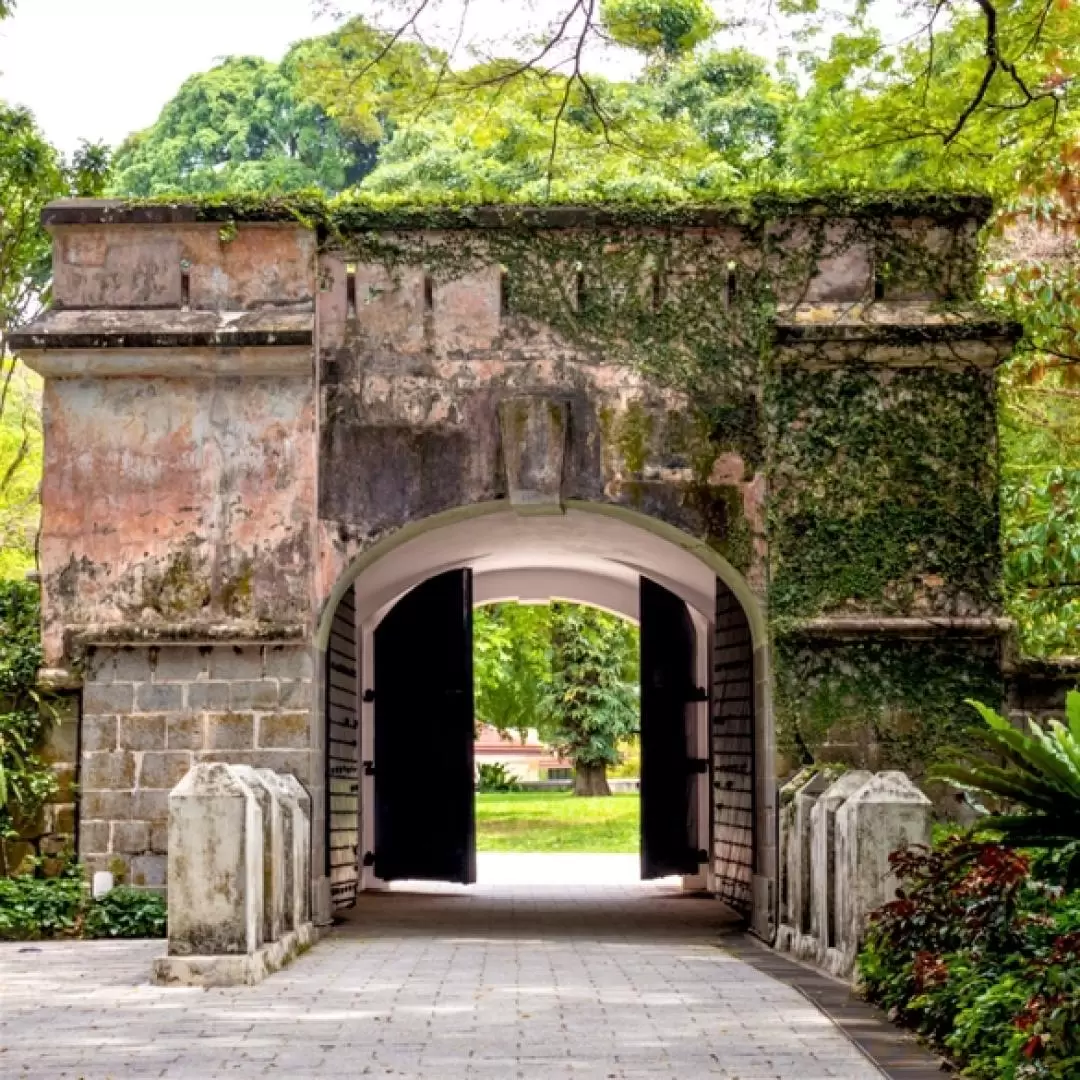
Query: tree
column 511, row 664
column 592, row 698
column 31, row 174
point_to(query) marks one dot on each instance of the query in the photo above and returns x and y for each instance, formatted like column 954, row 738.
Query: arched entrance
column 593, row 554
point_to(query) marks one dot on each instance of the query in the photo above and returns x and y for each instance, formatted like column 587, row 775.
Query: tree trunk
column 591, row 780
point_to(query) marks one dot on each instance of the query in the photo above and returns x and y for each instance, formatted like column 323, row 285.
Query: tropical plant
column 981, row 957
column 493, row 776
column 511, row 662
column 1040, row 774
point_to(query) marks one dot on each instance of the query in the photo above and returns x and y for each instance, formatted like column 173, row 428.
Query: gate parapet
column 239, row 843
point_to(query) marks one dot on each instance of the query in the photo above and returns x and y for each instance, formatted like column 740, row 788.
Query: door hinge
column 702, row 855
column 369, row 768
column 698, row 693
column 369, row 858
column 369, row 696
column 698, row 765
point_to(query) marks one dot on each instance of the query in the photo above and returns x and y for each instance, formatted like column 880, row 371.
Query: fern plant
column 1040, row 775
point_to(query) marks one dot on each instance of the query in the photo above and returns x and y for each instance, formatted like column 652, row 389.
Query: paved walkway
column 498, row 982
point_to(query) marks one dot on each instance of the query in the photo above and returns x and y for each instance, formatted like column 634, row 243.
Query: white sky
column 100, row 69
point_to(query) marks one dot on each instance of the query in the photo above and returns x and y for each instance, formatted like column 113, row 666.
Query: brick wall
column 149, row 713
column 733, row 751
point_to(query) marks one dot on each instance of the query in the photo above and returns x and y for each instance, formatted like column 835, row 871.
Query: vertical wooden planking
column 733, row 751
column 343, row 773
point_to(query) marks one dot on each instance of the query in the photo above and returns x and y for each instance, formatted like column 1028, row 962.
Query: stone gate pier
column 267, row 422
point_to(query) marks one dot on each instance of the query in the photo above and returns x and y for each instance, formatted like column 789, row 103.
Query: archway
column 593, row 554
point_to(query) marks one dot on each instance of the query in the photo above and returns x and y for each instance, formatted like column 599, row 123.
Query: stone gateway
column 287, row 449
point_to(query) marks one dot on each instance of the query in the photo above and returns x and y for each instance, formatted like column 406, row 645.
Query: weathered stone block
column 295, row 694
column 94, row 837
column 230, row 731
column 257, row 694
column 887, row 813
column 148, row 871
column 159, row 838
column 108, row 770
column 289, row 662
column 184, row 731
column 215, row 865
column 297, row 821
column 99, row 733
column 235, row 662
column 296, row 762
column 131, row 664
column 130, row 837
column 104, row 805
column 208, row 697
column 163, row 769
column 142, row 732
column 179, row 663
column 150, row 805
column 266, row 791
column 105, row 698
column 824, row 916
column 159, row 697
column 284, row 730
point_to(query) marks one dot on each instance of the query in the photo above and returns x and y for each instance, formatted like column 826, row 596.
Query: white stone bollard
column 804, row 944
column 270, row 803
column 301, row 848
column 823, row 902
column 215, row 865
column 887, row 813
column 789, row 857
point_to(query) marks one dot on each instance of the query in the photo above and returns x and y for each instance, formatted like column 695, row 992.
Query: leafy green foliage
column 1041, row 773
column 244, row 125
column 32, row 908
column 493, row 776
column 669, row 27
column 26, row 782
column 510, row 664
column 982, row 958
column 125, row 912
column 566, row 670
column 592, row 699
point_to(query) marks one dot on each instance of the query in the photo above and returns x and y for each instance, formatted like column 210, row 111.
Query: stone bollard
column 274, row 895
column 215, row 877
column 789, row 858
column 218, row 862
column 804, row 944
column 823, row 901
column 888, row 812
column 302, row 849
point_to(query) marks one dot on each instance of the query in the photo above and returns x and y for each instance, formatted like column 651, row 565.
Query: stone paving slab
column 496, row 982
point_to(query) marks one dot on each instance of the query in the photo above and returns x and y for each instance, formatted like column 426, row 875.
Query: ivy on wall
column 883, row 492
column 883, row 479
column 886, row 704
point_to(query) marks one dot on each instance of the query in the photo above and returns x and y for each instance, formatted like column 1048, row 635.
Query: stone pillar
column 823, row 908
column 801, row 854
column 789, row 854
column 215, row 865
column 887, row 813
column 297, row 854
column 267, row 794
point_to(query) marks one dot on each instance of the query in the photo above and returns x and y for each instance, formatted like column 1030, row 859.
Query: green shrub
column 126, row 913
column 1040, row 775
column 32, row 908
column 495, row 777
column 981, row 958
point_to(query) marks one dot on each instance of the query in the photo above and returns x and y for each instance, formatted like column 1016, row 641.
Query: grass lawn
column 557, row 821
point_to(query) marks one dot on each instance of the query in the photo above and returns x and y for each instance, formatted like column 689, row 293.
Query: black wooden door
column 669, row 771
column 423, row 759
